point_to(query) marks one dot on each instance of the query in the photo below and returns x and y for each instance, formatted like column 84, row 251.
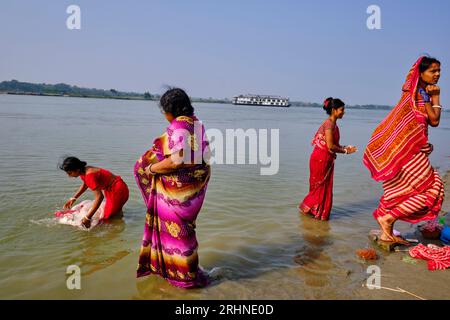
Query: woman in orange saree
column 397, row 153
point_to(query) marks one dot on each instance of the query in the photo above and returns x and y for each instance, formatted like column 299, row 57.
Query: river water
column 252, row 239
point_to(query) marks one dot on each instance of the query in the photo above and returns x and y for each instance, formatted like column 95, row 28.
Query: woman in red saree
column 103, row 184
column 173, row 177
column 319, row 200
column 397, row 153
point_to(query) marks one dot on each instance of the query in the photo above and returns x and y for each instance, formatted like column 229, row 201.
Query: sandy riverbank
column 398, row 271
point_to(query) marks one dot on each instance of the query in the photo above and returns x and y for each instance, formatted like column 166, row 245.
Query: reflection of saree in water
column 319, row 200
column 169, row 245
column 315, row 265
column 397, row 154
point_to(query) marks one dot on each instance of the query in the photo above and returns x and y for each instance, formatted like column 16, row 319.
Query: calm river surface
column 252, row 239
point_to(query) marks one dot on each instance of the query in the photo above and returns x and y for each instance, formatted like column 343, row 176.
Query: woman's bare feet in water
column 300, row 210
column 387, row 227
column 400, row 241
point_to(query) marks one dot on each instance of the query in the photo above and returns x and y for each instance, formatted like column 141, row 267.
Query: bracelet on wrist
column 437, row 106
column 150, row 169
column 86, row 217
column 73, row 198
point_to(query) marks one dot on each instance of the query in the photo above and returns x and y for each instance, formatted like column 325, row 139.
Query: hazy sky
column 306, row 50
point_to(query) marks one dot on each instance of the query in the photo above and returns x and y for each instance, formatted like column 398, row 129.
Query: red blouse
column 319, row 138
column 97, row 180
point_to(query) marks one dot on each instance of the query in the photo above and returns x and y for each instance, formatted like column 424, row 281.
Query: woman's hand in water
column 351, row 149
column 86, row 222
column 69, row 204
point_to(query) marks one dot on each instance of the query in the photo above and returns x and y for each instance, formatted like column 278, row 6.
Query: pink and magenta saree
column 169, row 244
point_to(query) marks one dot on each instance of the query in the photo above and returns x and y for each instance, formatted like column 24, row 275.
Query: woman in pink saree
column 173, row 177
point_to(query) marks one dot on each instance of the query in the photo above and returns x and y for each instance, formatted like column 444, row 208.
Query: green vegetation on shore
column 318, row 105
column 65, row 90
column 62, row 89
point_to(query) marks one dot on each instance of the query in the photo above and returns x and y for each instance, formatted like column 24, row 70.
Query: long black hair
column 426, row 63
column 330, row 104
column 73, row 164
column 177, row 102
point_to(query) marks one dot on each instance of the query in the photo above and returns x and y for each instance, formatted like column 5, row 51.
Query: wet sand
column 412, row 276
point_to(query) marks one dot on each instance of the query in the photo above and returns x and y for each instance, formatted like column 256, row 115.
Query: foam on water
column 74, row 216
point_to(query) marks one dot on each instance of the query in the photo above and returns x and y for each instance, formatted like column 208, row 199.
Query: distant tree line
column 357, row 106
column 62, row 89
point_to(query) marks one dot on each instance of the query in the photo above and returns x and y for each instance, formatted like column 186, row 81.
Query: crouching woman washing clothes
column 103, row 184
column 174, row 190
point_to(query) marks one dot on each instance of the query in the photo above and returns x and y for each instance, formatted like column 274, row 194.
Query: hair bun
column 326, row 103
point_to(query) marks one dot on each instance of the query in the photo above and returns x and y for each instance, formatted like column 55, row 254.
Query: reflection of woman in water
column 315, row 264
column 398, row 151
column 103, row 184
column 319, row 201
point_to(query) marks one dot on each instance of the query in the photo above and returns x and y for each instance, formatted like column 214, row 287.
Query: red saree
column 319, row 200
column 397, row 154
column 116, row 192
